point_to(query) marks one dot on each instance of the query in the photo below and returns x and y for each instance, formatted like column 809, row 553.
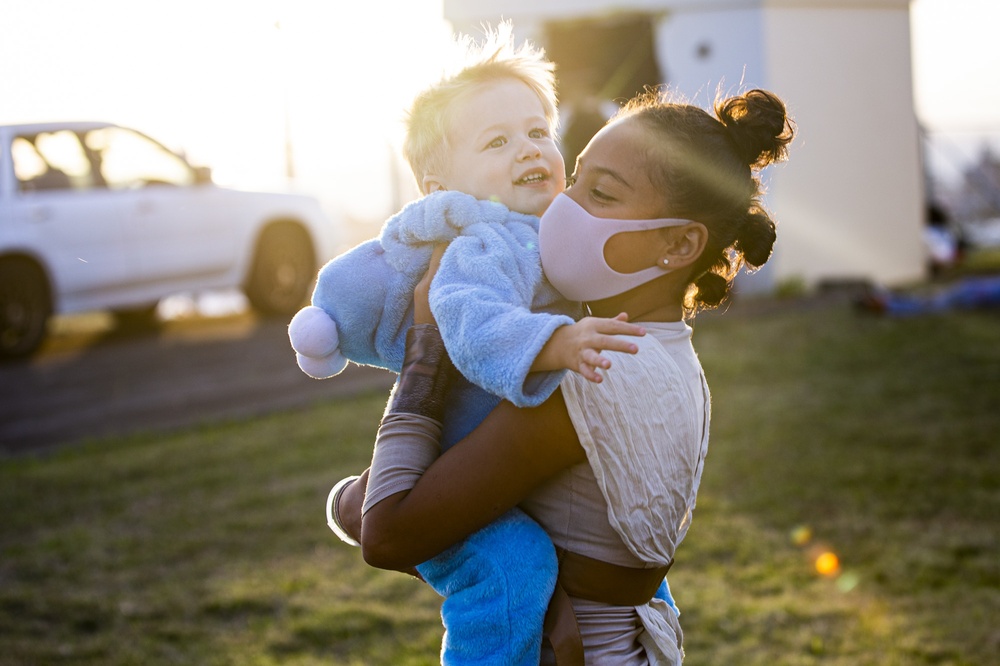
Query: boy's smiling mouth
column 533, row 177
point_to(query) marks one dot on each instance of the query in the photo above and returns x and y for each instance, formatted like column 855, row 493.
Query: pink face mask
column 571, row 243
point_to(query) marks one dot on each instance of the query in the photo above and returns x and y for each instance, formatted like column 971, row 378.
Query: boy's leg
column 497, row 584
column 663, row 592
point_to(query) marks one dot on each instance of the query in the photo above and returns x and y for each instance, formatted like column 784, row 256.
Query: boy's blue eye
column 497, row 142
column 539, row 133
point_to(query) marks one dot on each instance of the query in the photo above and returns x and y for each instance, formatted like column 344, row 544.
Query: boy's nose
column 529, row 150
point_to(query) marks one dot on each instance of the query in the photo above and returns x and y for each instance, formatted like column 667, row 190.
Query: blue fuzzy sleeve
column 494, row 308
column 482, row 297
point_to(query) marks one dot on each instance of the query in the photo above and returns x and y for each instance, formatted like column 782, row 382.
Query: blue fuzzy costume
column 495, row 312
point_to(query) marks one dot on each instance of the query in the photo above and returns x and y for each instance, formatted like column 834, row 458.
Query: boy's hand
column 578, row 347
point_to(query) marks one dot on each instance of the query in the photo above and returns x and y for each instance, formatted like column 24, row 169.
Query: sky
column 227, row 81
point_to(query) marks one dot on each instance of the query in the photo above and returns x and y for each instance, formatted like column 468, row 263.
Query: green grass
column 981, row 260
column 875, row 439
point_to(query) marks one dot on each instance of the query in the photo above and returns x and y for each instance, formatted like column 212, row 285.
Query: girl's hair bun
column 758, row 126
column 712, row 289
column 755, row 238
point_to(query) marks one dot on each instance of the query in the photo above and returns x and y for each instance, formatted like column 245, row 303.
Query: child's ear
column 432, row 183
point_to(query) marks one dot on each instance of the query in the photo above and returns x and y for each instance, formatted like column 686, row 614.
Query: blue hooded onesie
column 495, row 311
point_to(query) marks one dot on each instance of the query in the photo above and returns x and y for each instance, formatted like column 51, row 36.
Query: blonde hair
column 496, row 57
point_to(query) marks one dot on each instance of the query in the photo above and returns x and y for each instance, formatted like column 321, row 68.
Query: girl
column 663, row 210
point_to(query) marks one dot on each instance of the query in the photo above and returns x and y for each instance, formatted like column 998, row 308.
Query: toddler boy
column 481, row 145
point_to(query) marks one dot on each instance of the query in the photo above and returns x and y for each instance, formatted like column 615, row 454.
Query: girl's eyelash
column 594, row 192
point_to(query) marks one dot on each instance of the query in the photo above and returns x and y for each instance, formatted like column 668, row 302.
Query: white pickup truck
column 95, row 216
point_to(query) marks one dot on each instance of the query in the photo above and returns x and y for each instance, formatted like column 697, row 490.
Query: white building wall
column 852, row 195
column 720, row 51
column 467, row 15
column 735, row 57
column 850, row 201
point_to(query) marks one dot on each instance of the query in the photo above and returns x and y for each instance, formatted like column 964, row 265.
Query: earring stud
column 666, row 261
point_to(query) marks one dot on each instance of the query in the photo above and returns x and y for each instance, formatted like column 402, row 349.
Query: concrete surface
column 91, row 380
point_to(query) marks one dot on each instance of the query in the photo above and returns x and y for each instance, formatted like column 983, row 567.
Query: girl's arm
column 449, row 497
column 473, row 483
column 510, row 453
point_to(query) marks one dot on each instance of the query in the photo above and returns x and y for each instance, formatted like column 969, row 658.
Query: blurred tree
column 599, row 60
column 978, row 195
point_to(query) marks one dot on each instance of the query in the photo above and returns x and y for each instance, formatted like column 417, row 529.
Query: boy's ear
column 432, row 183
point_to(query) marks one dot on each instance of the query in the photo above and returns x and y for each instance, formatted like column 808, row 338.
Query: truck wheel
column 25, row 307
column 283, row 269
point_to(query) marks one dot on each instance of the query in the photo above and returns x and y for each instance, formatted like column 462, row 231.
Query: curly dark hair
column 710, row 174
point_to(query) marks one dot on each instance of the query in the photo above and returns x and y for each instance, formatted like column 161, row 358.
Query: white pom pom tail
column 313, row 333
column 322, row 368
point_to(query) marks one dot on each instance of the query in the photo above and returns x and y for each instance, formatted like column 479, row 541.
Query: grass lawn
column 874, row 440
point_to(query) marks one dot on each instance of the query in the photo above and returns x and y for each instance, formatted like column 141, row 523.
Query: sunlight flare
column 827, row 564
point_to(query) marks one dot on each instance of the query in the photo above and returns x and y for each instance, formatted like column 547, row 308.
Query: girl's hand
column 349, row 506
column 578, row 347
column 349, row 509
column 421, row 293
